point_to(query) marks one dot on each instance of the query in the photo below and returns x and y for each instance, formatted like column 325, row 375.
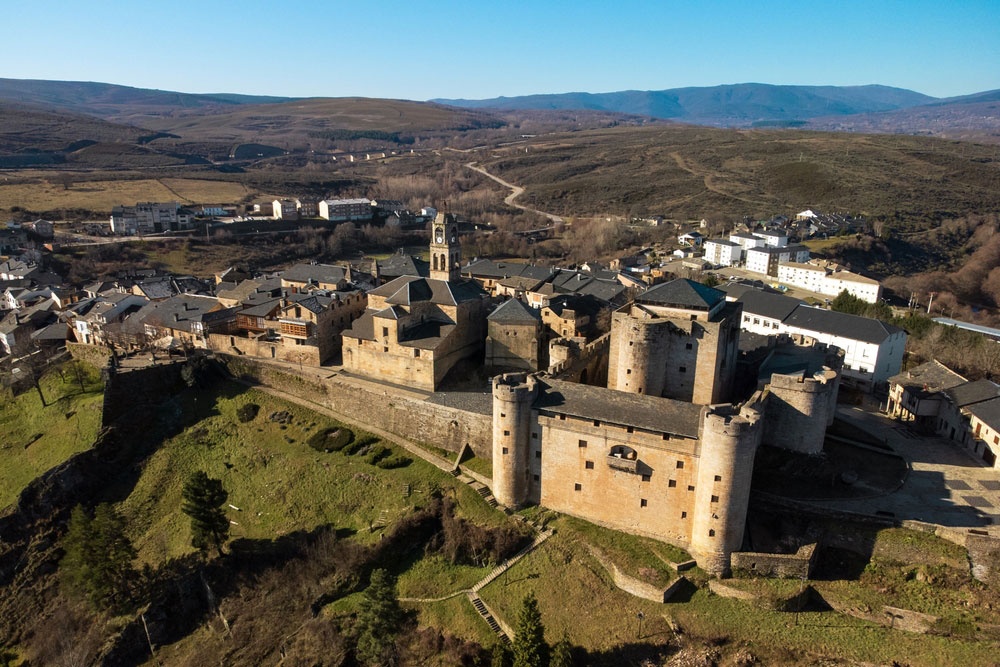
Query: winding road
column 516, row 191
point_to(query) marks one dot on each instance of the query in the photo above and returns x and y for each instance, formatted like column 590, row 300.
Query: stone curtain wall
column 789, row 566
column 364, row 403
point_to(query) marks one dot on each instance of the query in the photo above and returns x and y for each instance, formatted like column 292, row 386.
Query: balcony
column 623, row 458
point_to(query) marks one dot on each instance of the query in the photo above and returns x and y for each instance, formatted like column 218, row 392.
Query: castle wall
column 514, row 346
column 651, row 494
column 262, row 348
column 798, row 411
column 405, row 414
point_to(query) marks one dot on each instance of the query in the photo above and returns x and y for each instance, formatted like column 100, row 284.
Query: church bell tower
column 446, row 252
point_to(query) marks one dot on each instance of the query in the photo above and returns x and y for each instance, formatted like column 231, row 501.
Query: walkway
column 946, row 485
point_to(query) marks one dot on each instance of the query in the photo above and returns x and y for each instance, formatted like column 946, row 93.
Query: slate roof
column 772, row 250
column 514, row 312
column 487, row 268
column 406, row 290
column 731, row 244
column 973, row 392
column 662, row 415
column 987, row 412
column 768, row 304
column 403, row 265
column 834, row 323
column 682, row 293
column 928, row 378
column 315, row 273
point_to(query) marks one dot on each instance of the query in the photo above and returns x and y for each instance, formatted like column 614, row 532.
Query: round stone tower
column 799, row 410
column 513, row 394
column 729, row 443
column 637, row 355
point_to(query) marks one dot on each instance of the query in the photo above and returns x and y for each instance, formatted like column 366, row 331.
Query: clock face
column 439, row 235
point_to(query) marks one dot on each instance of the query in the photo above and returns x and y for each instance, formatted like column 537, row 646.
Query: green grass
column 455, row 617
column 479, row 466
column 279, row 483
column 67, row 425
column 434, row 577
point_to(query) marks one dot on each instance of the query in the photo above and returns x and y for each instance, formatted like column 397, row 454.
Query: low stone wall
column 893, row 617
column 984, row 556
column 631, row 585
column 788, row 566
column 726, row 591
column 307, row 355
column 401, row 413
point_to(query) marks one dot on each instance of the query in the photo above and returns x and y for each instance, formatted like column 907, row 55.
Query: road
column 516, row 191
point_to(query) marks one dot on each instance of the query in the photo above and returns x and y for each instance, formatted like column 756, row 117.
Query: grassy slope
column 68, row 425
column 687, row 172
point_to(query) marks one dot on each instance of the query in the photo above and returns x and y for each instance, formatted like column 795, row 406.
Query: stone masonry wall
column 788, row 566
column 405, row 415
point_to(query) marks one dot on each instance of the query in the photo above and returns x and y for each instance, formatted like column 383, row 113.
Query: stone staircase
column 480, row 607
column 507, row 564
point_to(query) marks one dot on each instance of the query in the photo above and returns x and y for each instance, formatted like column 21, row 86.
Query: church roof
column 407, row 290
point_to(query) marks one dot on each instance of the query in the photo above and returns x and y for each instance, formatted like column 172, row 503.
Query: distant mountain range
column 737, row 105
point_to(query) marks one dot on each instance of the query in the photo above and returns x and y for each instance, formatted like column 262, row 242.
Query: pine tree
column 98, row 557
column 203, row 500
column 562, row 653
column 379, row 620
column 530, row 649
column 501, row 655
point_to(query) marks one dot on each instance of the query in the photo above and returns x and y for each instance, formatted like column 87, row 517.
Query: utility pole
column 930, row 301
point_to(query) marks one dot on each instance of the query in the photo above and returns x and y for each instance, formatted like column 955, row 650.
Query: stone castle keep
column 659, row 452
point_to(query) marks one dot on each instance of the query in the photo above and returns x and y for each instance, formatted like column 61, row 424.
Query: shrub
column 376, row 453
column 395, row 461
column 331, row 439
column 247, row 412
column 360, row 445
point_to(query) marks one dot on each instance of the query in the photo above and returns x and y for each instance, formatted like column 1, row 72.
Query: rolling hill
column 738, row 105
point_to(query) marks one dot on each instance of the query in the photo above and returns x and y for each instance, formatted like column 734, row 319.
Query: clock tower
column 446, row 253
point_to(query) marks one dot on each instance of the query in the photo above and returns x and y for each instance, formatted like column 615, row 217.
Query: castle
column 660, row 449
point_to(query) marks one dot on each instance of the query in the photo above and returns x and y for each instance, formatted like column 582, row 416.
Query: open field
column 102, row 195
column 67, row 425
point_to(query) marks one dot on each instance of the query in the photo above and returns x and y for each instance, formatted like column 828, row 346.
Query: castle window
column 506, row 433
column 504, row 451
column 683, row 369
column 715, row 499
column 589, row 465
column 562, row 417
column 645, row 478
column 534, row 436
column 711, row 532
column 416, row 353
column 581, row 443
column 688, row 346
column 684, row 515
column 628, row 371
column 630, row 343
column 385, row 348
column 385, row 332
column 503, row 414
column 694, row 317
column 672, row 483
column 642, row 502
column 538, row 455
column 535, row 477
column 666, row 436
column 597, row 423
column 680, row 465
column 690, row 487
column 577, row 487
column 718, row 478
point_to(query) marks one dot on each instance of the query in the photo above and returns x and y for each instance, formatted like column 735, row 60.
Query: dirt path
column 516, row 191
column 708, row 181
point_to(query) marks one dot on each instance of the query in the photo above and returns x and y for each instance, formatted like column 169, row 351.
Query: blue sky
column 475, row 49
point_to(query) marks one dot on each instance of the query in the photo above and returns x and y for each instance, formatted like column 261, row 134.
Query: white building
column 773, row 237
column 873, row 350
column 149, row 218
column 720, row 252
column 341, row 210
column 284, row 209
column 822, row 280
column 746, row 241
column 765, row 259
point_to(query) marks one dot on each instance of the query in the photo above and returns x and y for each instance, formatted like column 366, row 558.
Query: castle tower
column 513, row 394
column 446, row 251
column 799, row 408
column 728, row 445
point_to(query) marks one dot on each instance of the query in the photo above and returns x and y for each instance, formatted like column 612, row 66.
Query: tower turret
column 446, row 251
column 729, row 443
column 513, row 394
